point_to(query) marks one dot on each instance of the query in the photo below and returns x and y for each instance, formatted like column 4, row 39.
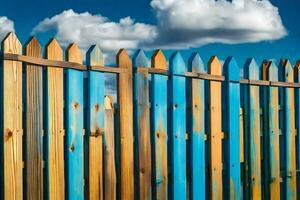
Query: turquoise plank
column 142, row 127
column 178, row 127
column 233, row 127
column 159, row 136
column 252, row 131
column 196, row 120
column 74, row 134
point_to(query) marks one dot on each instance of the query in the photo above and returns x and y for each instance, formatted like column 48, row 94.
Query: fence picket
column 142, row 126
column 197, row 129
column 34, row 123
column 178, row 127
column 95, row 123
column 159, row 135
column 54, row 123
column 74, row 126
column 233, row 128
column 126, row 125
column 286, row 73
column 297, row 116
column 11, row 94
column 215, row 137
column 253, row 129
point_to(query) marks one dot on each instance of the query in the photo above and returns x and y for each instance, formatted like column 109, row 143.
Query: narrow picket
column 54, row 124
column 215, row 135
column 126, row 125
column 197, row 129
column 142, row 125
column 233, row 128
column 34, row 123
column 95, row 123
column 178, row 126
column 286, row 74
column 110, row 179
column 273, row 134
column 159, row 135
column 74, row 126
column 297, row 113
column 11, row 110
column 253, row 129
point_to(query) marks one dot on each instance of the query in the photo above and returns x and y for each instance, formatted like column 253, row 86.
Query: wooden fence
column 191, row 131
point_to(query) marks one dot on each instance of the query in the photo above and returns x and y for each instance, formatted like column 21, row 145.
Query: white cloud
column 86, row 29
column 181, row 24
column 192, row 23
column 6, row 25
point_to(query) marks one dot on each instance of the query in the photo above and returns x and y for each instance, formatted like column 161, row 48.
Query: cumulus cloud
column 181, row 24
column 191, row 23
column 6, row 25
column 86, row 29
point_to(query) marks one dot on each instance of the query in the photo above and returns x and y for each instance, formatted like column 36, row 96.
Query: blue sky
column 149, row 25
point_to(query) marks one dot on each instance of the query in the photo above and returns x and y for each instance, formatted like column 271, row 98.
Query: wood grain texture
column 95, row 124
column 110, row 179
column 196, row 118
column 74, row 103
column 34, row 124
column 178, row 127
column 273, row 134
column 215, row 170
column 126, row 125
column 142, row 126
column 233, row 128
column 159, row 137
column 55, row 124
column 253, row 131
column 287, row 75
column 12, row 120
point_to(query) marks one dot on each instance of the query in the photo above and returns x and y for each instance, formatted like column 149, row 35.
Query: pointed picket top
column 251, row 69
column 177, row 64
column 53, row 50
column 297, row 72
column 94, row 56
column 287, row 70
column 196, row 64
column 74, row 53
column 214, row 66
column 33, row 48
column 140, row 59
column 158, row 60
column 123, row 59
column 108, row 102
column 232, row 70
column 11, row 44
column 264, row 69
column 272, row 71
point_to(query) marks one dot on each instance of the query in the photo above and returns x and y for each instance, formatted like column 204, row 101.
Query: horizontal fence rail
column 176, row 130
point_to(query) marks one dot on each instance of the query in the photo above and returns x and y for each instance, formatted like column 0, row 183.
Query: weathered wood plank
column 54, row 123
column 74, row 126
column 95, row 123
column 126, row 125
column 273, row 134
column 11, row 95
column 159, row 137
column 178, row 127
column 215, row 170
column 253, row 131
column 34, row 124
column 297, row 112
column 287, row 75
column 196, row 119
column 110, row 179
column 142, row 126
column 233, row 128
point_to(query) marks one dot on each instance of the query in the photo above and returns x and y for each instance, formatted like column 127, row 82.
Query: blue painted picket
column 178, row 127
column 233, row 131
column 74, row 130
column 197, row 129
